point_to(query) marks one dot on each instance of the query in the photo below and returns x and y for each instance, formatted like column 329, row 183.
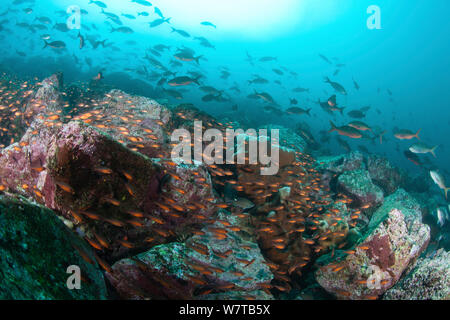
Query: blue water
column 408, row 56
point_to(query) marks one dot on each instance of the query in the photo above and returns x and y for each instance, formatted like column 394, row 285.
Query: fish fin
column 45, row 45
column 341, row 110
column 333, row 127
column 307, row 112
column 327, row 80
column 445, row 192
column 417, row 134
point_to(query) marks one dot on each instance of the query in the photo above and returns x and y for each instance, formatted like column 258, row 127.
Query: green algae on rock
column 36, row 248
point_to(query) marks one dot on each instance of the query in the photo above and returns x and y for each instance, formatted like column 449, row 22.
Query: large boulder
column 208, row 265
column 395, row 239
column 429, row 280
column 341, row 163
column 359, row 186
column 36, row 249
column 383, row 173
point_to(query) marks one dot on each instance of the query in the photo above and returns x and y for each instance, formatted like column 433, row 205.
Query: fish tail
column 417, row 134
column 307, row 112
column 168, row 20
column 327, row 80
column 432, row 150
column 197, row 59
column 341, row 110
column 333, row 126
column 196, row 81
column 173, row 29
column 45, row 44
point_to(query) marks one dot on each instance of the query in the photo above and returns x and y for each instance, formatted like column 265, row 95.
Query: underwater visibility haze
column 95, row 96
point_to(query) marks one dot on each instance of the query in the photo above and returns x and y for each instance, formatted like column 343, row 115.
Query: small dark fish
column 98, row 3
column 336, row 86
column 355, row 84
column 266, row 59
column 412, row 157
column 181, row 32
column 298, row 111
column 142, row 2
column 54, row 44
column 325, row 58
column 157, row 22
column 208, row 24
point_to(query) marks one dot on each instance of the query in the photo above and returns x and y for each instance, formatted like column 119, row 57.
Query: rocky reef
column 90, row 181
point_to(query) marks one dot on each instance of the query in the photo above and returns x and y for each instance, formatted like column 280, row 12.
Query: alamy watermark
column 374, row 20
column 213, row 153
column 74, row 20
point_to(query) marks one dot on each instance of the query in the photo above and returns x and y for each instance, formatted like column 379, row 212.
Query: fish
column 298, row 111
column 99, row 3
column 357, row 114
column 421, row 147
column 300, row 89
column 81, row 38
column 182, row 81
column 142, row 2
column 125, row 30
column 336, row 86
column 158, row 12
column 355, row 84
column 157, row 22
column 265, row 96
column 405, row 134
column 439, row 180
column 359, row 125
column 128, row 16
column 54, row 44
column 345, row 131
column 208, row 24
column 266, row 59
column 325, row 58
column 412, row 157
column 442, row 216
column 181, row 32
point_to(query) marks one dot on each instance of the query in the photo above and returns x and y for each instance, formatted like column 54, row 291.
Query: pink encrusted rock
column 86, row 177
column 375, row 264
column 203, row 265
column 47, row 98
column 428, row 280
column 138, row 122
column 106, row 189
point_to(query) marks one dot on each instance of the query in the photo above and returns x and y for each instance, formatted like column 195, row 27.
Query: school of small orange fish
column 291, row 231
